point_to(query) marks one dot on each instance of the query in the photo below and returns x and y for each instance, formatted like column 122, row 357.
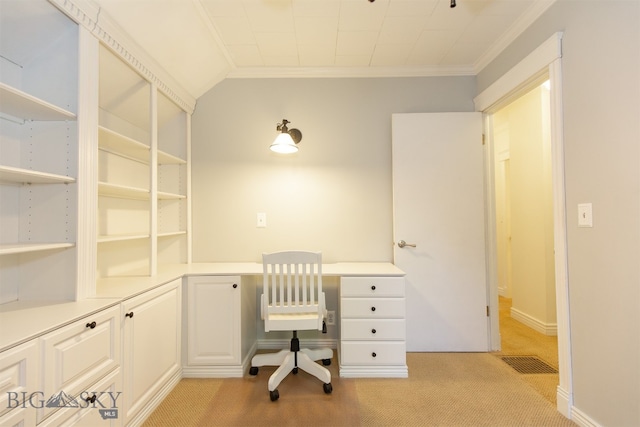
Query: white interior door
column 438, row 203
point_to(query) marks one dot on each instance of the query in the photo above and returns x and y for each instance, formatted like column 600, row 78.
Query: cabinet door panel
column 18, row 375
column 79, row 354
column 151, row 344
column 213, row 320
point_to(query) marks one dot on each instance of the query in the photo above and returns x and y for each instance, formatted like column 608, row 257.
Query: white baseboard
column 580, row 418
column 549, row 329
column 151, row 406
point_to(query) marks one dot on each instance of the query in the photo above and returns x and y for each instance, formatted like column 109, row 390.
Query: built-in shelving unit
column 94, row 170
column 39, row 145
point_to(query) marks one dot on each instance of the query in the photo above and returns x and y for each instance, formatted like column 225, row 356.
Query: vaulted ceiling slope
column 201, row 42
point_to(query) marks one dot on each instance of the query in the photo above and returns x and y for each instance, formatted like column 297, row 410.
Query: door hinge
column 483, row 139
column 488, row 312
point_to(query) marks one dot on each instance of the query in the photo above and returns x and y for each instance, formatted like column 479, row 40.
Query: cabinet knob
column 373, row 309
column 129, row 315
column 373, row 287
column 373, row 331
column 373, row 355
column 91, row 399
column 235, row 285
column 91, row 325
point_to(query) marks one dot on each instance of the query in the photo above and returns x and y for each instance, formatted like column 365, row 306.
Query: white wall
column 601, row 92
column 334, row 195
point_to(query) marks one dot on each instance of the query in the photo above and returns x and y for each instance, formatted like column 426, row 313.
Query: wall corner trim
column 527, row 70
column 91, row 17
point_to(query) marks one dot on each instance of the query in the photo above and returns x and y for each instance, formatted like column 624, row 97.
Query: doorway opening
column 543, row 62
column 521, row 138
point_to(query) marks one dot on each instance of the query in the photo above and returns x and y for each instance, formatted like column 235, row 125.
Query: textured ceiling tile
column 234, row 30
column 390, row 54
column 356, row 42
column 246, row 56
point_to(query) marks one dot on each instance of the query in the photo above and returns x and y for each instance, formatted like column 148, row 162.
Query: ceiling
column 201, row 42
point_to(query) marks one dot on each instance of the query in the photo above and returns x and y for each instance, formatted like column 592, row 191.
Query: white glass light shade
column 284, row 144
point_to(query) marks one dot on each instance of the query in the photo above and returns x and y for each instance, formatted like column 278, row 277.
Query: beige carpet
column 443, row 389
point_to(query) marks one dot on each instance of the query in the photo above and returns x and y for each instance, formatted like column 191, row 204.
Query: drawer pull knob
column 235, row 285
column 373, row 287
column 91, row 399
column 373, row 309
column 373, row 331
column 91, row 325
column 129, row 315
column 373, row 355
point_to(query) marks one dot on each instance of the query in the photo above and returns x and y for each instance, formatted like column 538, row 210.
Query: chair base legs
column 286, row 362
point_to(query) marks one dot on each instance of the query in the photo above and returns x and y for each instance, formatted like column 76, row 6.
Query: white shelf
column 19, row 248
column 122, row 191
column 23, row 106
column 121, row 237
column 170, row 196
column 169, row 159
column 26, row 176
column 117, row 143
column 172, row 234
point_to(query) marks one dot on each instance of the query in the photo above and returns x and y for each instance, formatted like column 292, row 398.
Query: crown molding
column 348, row 72
column 517, row 28
column 107, row 31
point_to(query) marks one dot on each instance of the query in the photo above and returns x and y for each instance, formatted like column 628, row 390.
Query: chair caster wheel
column 328, row 388
column 326, row 362
column 294, row 371
column 253, row 370
column 274, row 395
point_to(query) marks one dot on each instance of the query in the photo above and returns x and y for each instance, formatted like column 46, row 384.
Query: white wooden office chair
column 293, row 300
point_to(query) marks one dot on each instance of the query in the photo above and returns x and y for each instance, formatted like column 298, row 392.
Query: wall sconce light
column 285, row 142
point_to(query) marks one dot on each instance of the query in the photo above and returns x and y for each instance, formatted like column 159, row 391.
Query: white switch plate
column 262, row 220
column 585, row 215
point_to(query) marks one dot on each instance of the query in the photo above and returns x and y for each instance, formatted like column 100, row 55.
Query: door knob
column 402, row 244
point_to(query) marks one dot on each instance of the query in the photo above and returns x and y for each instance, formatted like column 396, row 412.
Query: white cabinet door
column 151, row 345
column 18, row 381
column 77, row 355
column 213, row 320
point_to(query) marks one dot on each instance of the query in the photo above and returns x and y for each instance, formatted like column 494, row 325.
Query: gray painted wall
column 601, row 92
column 334, row 195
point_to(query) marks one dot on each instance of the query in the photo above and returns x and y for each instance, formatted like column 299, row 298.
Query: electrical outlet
column 331, row 318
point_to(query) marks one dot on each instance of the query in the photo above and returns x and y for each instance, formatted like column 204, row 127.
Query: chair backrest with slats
column 292, row 283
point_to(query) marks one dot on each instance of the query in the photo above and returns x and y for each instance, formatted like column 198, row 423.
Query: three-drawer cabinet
column 372, row 327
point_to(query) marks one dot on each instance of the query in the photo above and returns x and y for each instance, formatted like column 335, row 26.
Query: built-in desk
column 23, row 321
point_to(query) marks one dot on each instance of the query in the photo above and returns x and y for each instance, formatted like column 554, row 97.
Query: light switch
column 585, row 215
column 262, row 220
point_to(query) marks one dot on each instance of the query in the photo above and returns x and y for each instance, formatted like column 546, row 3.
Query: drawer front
column 104, row 412
column 373, row 353
column 372, row 308
column 18, row 375
column 77, row 355
column 372, row 287
column 373, row 329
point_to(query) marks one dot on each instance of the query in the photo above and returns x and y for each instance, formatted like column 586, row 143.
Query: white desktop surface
column 21, row 321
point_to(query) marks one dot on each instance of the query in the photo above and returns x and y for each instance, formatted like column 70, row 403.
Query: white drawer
column 18, row 375
column 77, row 355
column 373, row 329
column 372, row 286
column 373, row 353
column 372, row 308
column 106, row 411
